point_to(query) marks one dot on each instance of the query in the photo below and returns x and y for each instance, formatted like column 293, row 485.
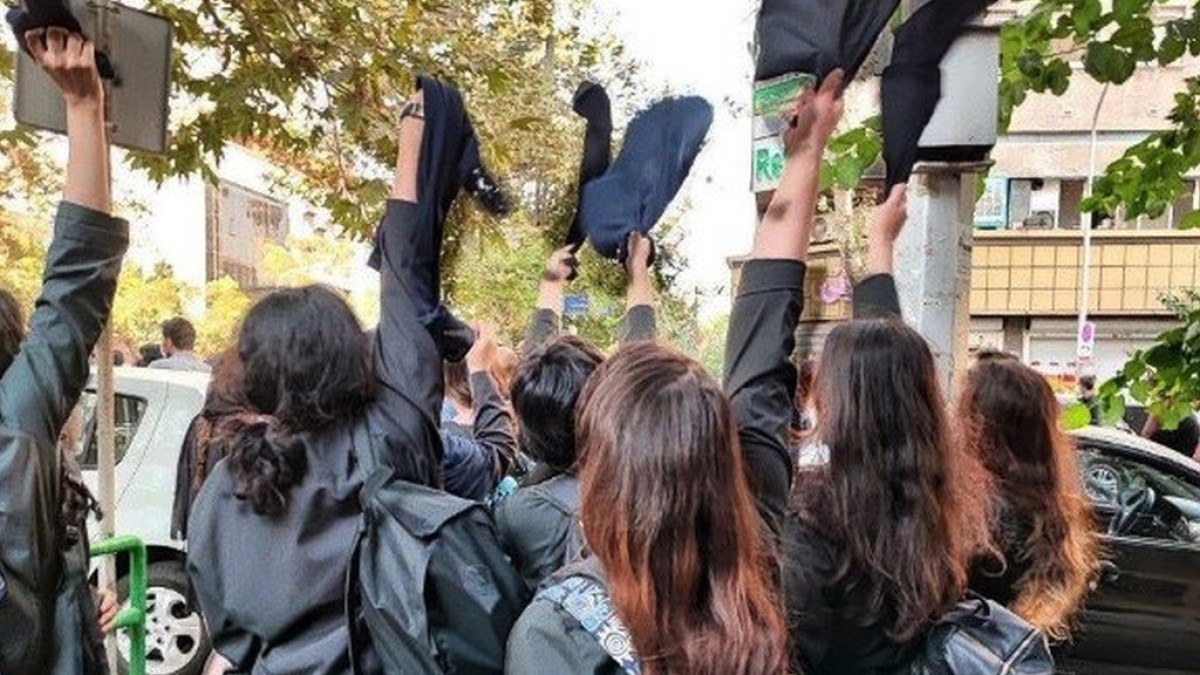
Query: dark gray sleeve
column 205, row 572
column 875, row 298
column 494, row 430
column 760, row 378
column 408, row 365
column 639, row 325
column 543, row 329
column 43, row 383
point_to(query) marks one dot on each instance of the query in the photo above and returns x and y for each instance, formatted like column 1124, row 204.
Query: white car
column 153, row 411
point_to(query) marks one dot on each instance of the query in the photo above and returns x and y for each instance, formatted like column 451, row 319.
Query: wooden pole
column 105, row 396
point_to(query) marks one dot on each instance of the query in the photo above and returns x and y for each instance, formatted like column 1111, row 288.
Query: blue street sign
column 576, row 305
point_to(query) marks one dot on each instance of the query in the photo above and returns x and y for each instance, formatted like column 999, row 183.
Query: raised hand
column 485, row 350
column 637, row 263
column 886, row 224
column 637, row 260
column 561, row 265
column 816, row 115
column 70, row 61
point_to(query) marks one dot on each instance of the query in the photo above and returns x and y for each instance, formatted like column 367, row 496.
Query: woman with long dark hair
column 672, row 531
column 1042, row 523
column 272, row 532
column 681, row 579
column 882, row 536
column 876, row 543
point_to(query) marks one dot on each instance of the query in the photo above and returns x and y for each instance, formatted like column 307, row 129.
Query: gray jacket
column 47, row 618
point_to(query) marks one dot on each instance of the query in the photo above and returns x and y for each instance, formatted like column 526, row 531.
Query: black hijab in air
column 818, row 36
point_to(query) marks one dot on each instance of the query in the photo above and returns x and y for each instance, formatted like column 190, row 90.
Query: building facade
column 1027, row 260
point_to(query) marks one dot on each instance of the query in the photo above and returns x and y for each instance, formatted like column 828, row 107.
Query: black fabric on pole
column 591, row 103
column 51, row 14
column 818, row 36
column 912, row 84
column 660, row 147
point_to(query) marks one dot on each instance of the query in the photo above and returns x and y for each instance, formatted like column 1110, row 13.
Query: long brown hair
column 1011, row 423
column 906, row 510
column 668, row 513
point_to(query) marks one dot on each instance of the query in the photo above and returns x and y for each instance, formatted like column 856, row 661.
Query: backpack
column 562, row 493
column 429, row 582
column 586, row 600
column 981, row 637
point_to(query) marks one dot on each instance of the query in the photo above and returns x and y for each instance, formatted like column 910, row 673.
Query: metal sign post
column 106, row 437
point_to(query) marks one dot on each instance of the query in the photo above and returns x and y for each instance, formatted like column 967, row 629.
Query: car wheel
column 176, row 638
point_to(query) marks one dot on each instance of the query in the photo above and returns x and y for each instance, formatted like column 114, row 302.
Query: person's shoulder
column 546, row 639
column 554, row 496
column 523, row 505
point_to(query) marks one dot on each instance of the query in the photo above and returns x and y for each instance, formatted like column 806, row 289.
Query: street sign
column 772, row 97
column 991, row 211
column 1087, row 341
column 576, row 305
column 139, row 45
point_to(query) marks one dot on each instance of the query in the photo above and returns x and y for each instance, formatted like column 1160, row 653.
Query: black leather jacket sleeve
column 37, row 393
column 760, row 378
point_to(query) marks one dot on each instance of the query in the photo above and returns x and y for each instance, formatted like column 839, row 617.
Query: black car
column 1144, row 614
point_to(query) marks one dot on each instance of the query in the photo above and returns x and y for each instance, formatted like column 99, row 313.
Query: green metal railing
column 133, row 617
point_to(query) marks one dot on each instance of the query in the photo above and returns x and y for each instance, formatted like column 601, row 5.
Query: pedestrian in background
column 178, row 346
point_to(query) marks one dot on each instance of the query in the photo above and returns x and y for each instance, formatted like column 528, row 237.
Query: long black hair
column 305, row 364
column 906, row 507
column 12, row 329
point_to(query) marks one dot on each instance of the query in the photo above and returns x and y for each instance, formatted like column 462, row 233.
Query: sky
column 703, row 47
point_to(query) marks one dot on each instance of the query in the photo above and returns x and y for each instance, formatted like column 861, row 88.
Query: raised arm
column 545, row 326
column 407, row 360
column 494, row 430
column 875, row 296
column 759, row 376
column 84, row 259
column 640, row 322
column 47, row 375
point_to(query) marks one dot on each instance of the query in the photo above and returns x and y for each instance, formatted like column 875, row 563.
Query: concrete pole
column 933, row 270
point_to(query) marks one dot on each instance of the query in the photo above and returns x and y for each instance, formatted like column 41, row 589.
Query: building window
column 1187, row 203
column 1034, row 203
column 239, row 222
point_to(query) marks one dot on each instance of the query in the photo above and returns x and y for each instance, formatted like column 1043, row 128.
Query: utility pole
column 934, row 277
column 105, row 402
column 1087, row 226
